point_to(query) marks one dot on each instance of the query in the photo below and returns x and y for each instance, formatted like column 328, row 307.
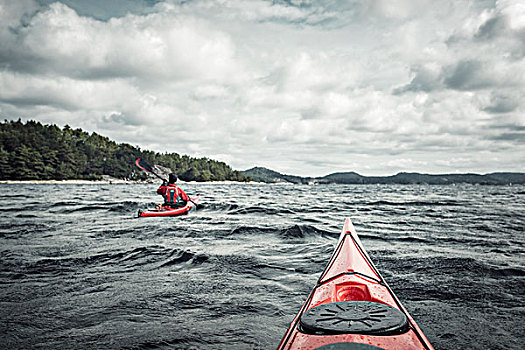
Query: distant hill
column 266, row 175
column 343, row 178
column 270, row 176
column 32, row 151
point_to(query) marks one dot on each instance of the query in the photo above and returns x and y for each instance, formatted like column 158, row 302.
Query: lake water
column 79, row 270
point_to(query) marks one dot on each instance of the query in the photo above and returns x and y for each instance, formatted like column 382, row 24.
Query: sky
column 303, row 87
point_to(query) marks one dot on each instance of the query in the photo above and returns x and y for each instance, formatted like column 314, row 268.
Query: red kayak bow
column 352, row 307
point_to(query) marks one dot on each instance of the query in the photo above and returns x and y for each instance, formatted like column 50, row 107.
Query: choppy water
column 79, row 270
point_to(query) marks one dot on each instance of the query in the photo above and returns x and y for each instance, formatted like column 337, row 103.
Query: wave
column 250, row 230
column 365, row 236
column 119, row 207
column 413, row 239
column 178, row 256
column 63, row 204
column 302, row 231
column 451, row 266
column 25, row 208
column 463, row 281
column 162, row 344
column 117, row 233
column 21, row 228
column 124, row 207
column 221, row 207
column 290, row 232
column 476, row 241
column 84, row 208
column 27, row 216
column 151, row 257
column 250, row 265
column 13, row 196
column 415, row 203
column 260, row 210
column 391, row 238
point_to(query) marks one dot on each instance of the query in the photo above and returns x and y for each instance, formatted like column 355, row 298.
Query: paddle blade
column 143, row 165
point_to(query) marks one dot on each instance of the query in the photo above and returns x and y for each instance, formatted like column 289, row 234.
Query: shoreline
column 113, row 182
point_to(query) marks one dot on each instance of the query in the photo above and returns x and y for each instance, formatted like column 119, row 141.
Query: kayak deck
column 165, row 211
column 352, row 307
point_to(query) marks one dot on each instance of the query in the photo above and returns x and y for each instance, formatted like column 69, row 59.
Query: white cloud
column 64, row 92
column 515, row 12
column 158, row 46
column 12, row 12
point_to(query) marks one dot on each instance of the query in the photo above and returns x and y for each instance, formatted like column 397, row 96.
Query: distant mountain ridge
column 503, row 178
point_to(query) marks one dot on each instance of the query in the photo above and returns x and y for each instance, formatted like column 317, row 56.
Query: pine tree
column 5, row 165
column 22, row 169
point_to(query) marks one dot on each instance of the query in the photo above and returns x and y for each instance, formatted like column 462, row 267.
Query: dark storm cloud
column 12, row 56
column 501, row 103
column 500, row 123
column 499, row 29
column 513, row 128
column 492, row 28
column 16, row 59
column 467, row 75
column 501, row 32
column 25, row 101
column 328, row 14
column 106, row 9
column 518, row 137
column 424, row 80
column 314, row 13
column 490, row 59
column 517, row 128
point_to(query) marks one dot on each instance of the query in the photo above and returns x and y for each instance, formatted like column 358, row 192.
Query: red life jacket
column 172, row 196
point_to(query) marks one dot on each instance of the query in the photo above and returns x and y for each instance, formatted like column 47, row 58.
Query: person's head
column 172, row 178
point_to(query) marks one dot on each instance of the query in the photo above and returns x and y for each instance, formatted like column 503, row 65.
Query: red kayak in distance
column 352, row 307
column 167, row 211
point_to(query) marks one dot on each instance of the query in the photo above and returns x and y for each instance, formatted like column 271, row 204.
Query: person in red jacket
column 174, row 196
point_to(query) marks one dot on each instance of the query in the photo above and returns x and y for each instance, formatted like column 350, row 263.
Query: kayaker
column 174, row 196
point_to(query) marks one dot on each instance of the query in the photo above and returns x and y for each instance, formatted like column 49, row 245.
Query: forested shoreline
column 34, row 151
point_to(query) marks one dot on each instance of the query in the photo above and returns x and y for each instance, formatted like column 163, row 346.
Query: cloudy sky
column 304, row 87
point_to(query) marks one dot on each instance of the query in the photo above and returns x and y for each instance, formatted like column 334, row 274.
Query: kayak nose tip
column 348, row 226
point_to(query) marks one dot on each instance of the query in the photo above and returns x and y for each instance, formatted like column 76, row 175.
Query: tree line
column 33, row 151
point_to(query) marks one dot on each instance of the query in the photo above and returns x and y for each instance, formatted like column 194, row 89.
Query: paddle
column 149, row 169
